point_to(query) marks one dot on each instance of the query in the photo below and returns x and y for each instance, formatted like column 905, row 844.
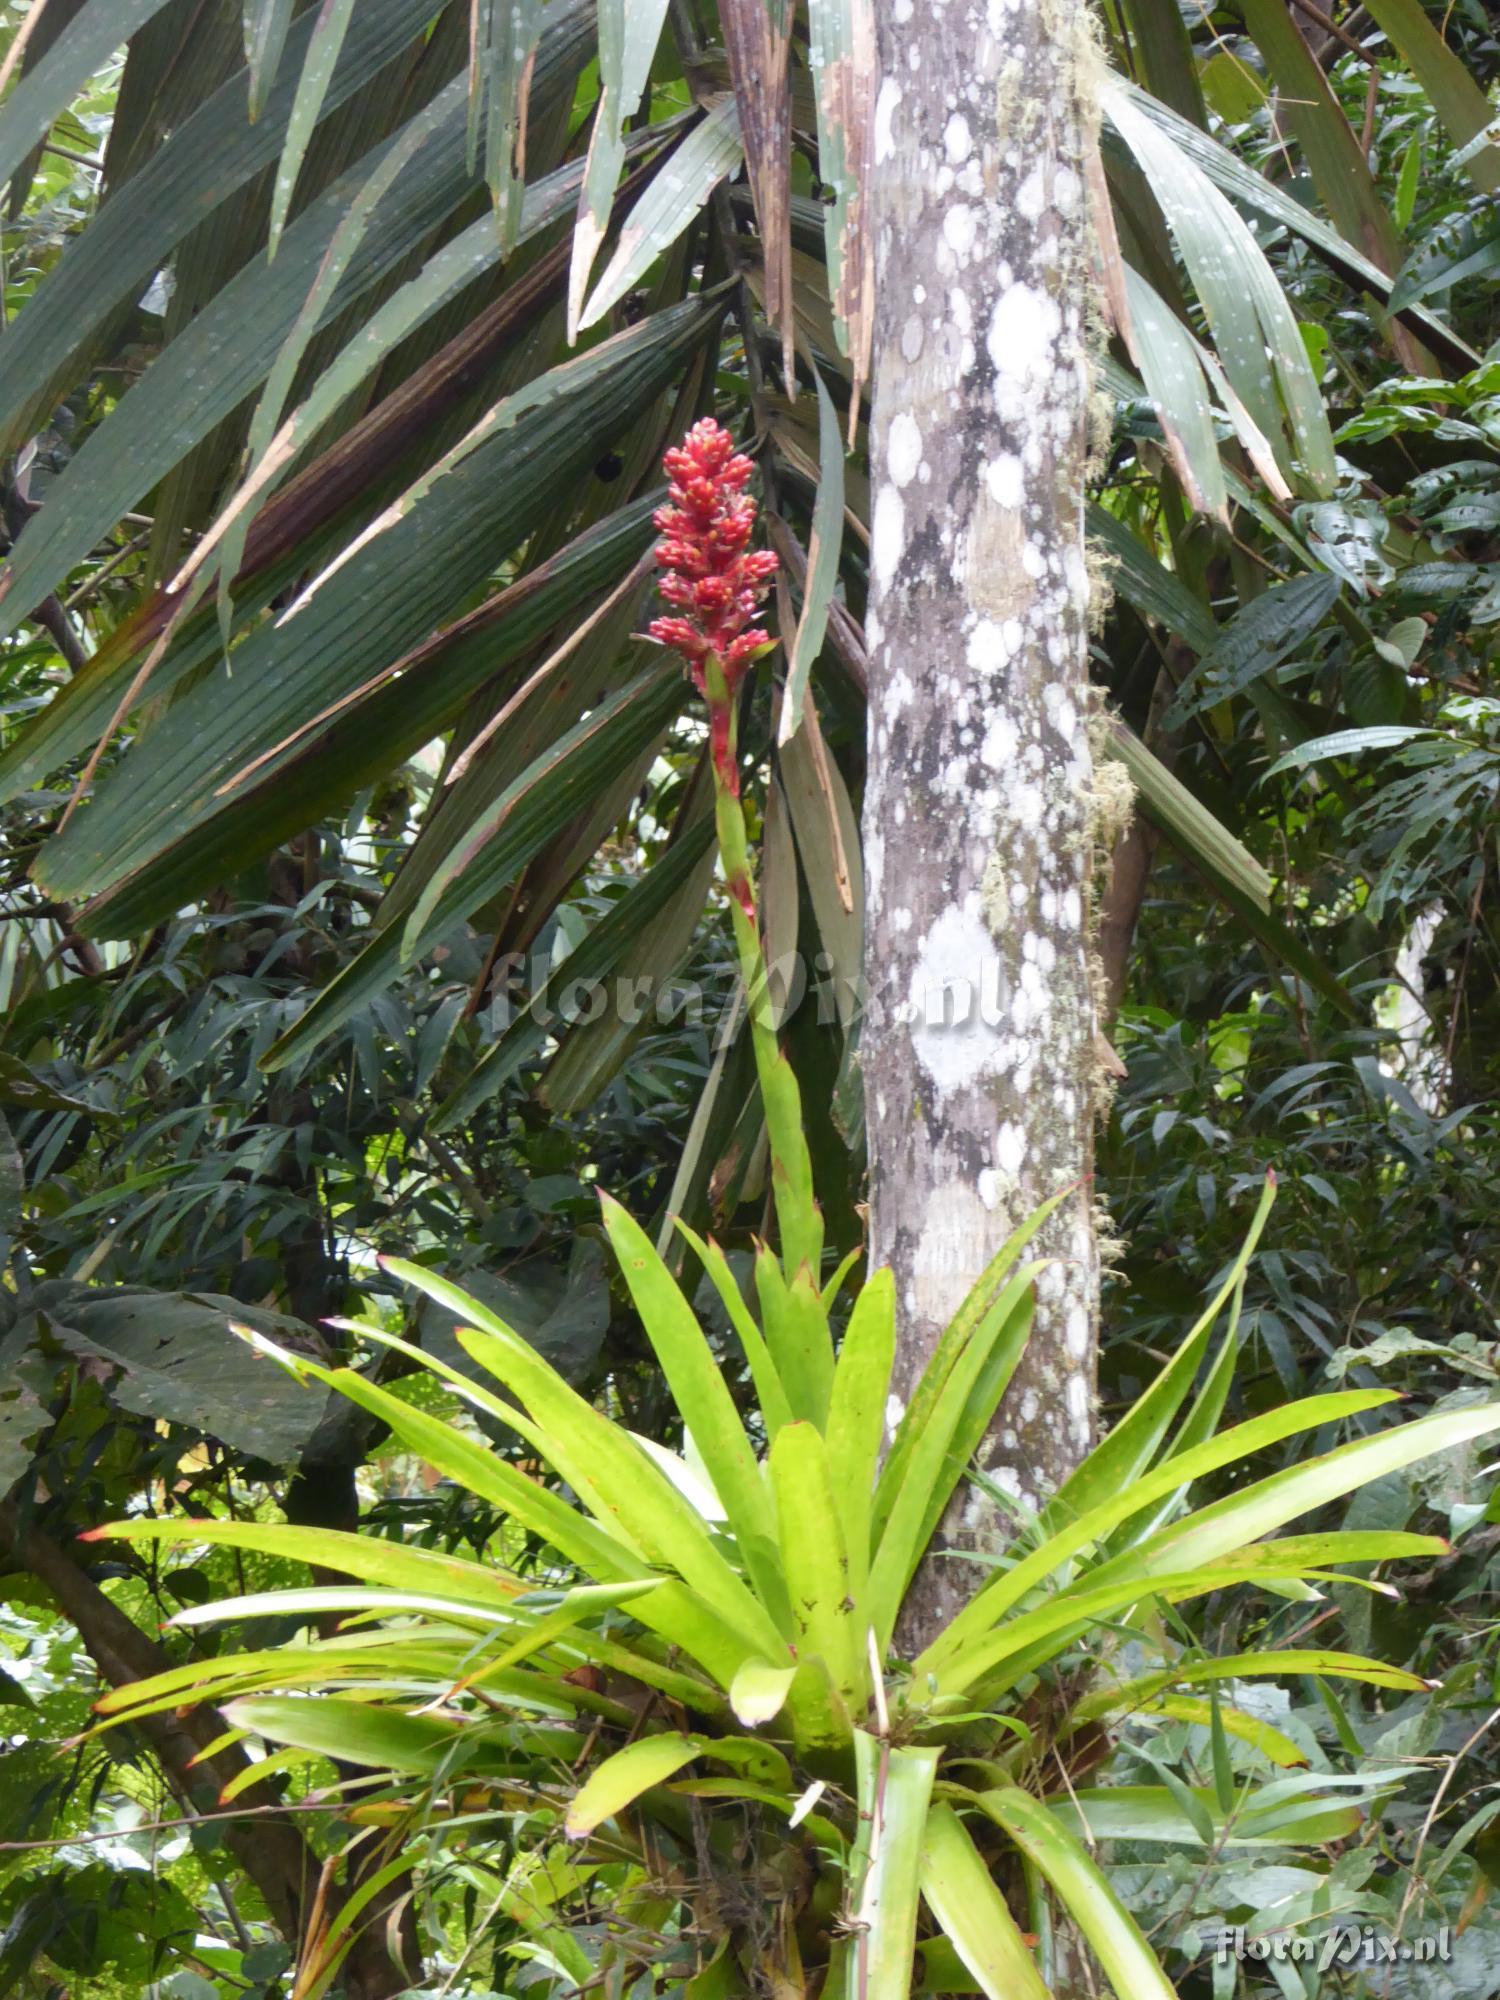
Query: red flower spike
column 709, row 572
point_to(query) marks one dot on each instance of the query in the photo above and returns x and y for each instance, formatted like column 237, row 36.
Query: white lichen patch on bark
column 978, row 1046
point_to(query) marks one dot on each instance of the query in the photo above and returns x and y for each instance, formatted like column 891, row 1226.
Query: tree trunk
column 978, row 1047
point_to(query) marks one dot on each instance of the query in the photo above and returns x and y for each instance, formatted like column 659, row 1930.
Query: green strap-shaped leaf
column 940, row 1448
column 822, row 563
column 1288, row 1661
column 1335, row 159
column 841, row 50
column 703, row 1402
column 1145, row 582
column 796, row 1328
column 857, row 1409
column 775, row 1408
column 229, row 346
column 1244, row 1517
column 501, row 84
column 1123, row 1456
column 1457, row 99
column 709, row 153
column 353, row 1732
column 830, row 1617
column 1187, row 823
column 45, row 92
column 1151, row 1813
column 266, row 25
column 330, row 25
column 1244, row 304
column 620, row 1780
column 895, row 1790
column 960, row 1891
column 1167, row 356
column 628, row 33
column 1008, row 1587
column 946, row 1356
column 595, row 958
column 1129, row 1963
column 385, row 595
column 1263, row 196
column 208, row 159
column 485, row 856
column 394, row 1566
column 613, row 1477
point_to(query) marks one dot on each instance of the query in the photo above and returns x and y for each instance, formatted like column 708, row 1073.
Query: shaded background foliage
column 1304, row 953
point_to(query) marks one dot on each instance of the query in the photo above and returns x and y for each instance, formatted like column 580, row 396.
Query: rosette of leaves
column 706, row 1722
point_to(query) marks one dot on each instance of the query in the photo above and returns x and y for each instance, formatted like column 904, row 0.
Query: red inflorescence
column 711, row 576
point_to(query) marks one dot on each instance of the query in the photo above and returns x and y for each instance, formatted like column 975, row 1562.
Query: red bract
column 710, row 575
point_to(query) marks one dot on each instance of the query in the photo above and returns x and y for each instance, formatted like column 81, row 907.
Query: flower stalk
column 715, row 583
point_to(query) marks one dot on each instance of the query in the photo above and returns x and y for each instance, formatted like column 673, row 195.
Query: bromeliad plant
column 701, row 1725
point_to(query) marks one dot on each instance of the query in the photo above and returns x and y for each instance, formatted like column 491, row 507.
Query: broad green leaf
column 960, row 1891
column 501, row 75
column 759, row 1690
column 267, row 448
column 1129, row 1963
column 1313, row 115
column 709, row 153
column 1222, row 1722
column 355, row 1732
column 620, row 1780
column 826, row 827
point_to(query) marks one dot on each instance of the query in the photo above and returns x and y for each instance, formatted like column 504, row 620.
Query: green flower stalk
column 715, row 583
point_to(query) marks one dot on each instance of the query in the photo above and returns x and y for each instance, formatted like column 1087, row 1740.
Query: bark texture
column 978, row 1046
